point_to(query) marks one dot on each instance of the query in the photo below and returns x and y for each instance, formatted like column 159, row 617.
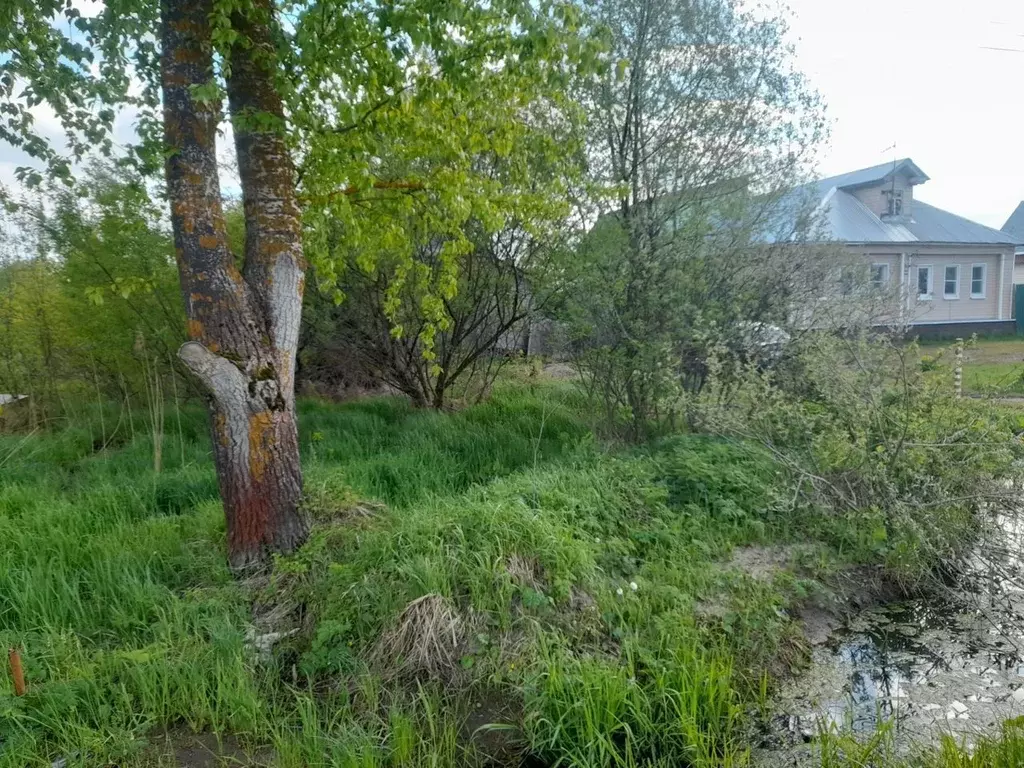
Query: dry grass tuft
column 426, row 641
column 526, row 572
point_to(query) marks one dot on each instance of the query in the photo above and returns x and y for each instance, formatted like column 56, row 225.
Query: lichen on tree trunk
column 243, row 326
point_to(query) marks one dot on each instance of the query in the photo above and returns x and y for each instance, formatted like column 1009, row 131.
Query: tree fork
column 243, row 329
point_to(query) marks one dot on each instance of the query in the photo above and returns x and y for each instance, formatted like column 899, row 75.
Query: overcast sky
column 921, row 74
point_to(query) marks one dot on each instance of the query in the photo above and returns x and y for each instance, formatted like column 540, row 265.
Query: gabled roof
column 844, row 218
column 876, row 174
column 1014, row 225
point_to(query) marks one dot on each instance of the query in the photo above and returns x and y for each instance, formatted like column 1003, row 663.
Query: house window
column 924, row 283
column 951, row 282
column 879, row 275
column 895, row 201
column 978, row 275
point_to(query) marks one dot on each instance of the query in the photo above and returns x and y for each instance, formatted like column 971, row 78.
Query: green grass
column 991, row 366
column 595, row 619
column 1003, row 749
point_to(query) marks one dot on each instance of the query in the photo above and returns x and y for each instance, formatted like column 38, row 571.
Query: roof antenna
column 892, row 185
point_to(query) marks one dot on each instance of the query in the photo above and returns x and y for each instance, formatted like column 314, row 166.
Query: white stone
column 1018, row 695
column 959, row 707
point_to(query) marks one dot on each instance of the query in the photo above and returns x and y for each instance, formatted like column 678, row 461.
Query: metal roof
column 934, row 225
column 873, row 175
column 1014, row 225
column 844, row 218
column 848, row 220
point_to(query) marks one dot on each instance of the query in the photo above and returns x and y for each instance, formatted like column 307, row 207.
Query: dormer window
column 894, row 199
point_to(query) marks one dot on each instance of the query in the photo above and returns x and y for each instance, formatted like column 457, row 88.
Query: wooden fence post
column 958, row 369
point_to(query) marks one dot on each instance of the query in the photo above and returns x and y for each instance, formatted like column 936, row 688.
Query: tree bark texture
column 243, row 325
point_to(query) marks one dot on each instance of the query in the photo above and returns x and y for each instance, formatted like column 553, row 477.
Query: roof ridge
column 868, row 174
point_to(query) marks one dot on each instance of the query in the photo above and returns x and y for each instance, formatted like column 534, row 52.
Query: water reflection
column 938, row 661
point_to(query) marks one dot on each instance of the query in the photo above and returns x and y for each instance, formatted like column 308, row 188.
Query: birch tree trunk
column 243, row 325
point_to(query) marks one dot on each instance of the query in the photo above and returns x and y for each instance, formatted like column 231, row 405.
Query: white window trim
column 984, row 280
column 886, row 274
column 956, row 290
column 931, row 282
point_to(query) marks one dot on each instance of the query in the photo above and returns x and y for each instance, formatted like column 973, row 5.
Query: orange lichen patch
column 187, row 56
column 260, row 441
column 173, row 79
column 220, row 429
column 209, row 242
column 272, row 248
column 195, row 328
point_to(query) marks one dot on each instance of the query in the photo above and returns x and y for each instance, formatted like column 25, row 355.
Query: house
column 952, row 276
column 1014, row 227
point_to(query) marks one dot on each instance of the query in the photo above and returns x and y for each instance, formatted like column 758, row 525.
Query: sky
column 924, row 75
column 921, row 74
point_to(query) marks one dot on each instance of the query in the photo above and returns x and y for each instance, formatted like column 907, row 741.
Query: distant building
column 952, row 274
column 1014, row 227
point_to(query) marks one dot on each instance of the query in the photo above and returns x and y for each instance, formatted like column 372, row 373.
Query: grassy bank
column 490, row 585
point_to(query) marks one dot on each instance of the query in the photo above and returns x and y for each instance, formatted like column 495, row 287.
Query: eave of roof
column 874, row 175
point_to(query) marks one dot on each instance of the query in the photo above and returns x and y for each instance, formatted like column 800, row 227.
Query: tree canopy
column 389, row 109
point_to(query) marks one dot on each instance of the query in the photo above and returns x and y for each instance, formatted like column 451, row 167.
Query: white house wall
column 939, row 309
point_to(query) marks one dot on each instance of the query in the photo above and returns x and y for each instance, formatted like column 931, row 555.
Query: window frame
column 886, row 275
column 931, row 282
column 984, row 280
column 945, row 281
column 894, row 202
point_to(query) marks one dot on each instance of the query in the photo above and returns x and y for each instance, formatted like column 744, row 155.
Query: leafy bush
column 874, row 445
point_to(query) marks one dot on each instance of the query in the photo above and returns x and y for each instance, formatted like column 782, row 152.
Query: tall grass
column 578, row 581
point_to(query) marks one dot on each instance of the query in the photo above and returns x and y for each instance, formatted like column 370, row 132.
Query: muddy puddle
column 951, row 663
